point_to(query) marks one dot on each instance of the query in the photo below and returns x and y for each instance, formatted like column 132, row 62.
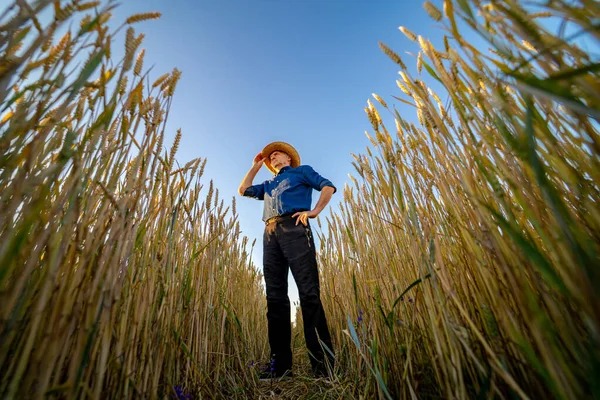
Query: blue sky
column 256, row 71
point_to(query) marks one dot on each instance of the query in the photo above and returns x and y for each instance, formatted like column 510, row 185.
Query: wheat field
column 461, row 263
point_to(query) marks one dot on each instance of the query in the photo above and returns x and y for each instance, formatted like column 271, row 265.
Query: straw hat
column 284, row 147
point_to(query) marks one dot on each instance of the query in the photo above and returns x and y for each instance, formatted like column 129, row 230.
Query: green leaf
column 573, row 72
column 464, row 5
column 431, row 71
column 139, row 237
column 386, row 318
column 404, row 101
column 327, row 349
column 87, row 71
column 88, row 27
column 351, row 237
column 382, row 384
column 553, row 91
column 415, row 283
column 401, row 121
column 372, row 349
column 560, row 211
column 103, row 121
column 353, row 334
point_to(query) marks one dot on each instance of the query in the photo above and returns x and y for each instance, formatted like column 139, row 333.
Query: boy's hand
column 259, row 159
column 303, row 216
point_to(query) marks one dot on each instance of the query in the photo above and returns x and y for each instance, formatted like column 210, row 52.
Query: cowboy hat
column 284, row 147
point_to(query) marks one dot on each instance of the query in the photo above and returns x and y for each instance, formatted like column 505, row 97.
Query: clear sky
column 256, row 71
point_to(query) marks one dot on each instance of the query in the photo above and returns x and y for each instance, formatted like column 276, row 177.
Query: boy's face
column 279, row 159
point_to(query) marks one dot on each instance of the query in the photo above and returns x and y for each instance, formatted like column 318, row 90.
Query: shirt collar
column 282, row 170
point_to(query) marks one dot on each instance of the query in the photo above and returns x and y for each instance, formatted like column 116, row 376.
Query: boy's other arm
column 249, row 178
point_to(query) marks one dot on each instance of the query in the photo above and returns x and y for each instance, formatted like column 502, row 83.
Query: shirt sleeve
column 256, row 191
column 314, row 180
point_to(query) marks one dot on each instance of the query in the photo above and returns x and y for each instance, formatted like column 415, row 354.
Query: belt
column 279, row 218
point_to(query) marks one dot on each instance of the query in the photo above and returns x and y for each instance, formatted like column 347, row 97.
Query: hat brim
column 284, row 147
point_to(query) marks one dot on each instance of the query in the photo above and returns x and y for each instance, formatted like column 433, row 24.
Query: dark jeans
column 287, row 245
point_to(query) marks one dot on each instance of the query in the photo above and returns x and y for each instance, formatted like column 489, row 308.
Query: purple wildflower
column 399, row 322
column 181, row 394
column 410, row 300
column 360, row 316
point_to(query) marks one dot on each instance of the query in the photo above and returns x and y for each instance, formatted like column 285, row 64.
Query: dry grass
column 120, row 274
column 463, row 262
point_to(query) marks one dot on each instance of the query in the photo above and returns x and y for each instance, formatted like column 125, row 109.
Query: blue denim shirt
column 288, row 191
